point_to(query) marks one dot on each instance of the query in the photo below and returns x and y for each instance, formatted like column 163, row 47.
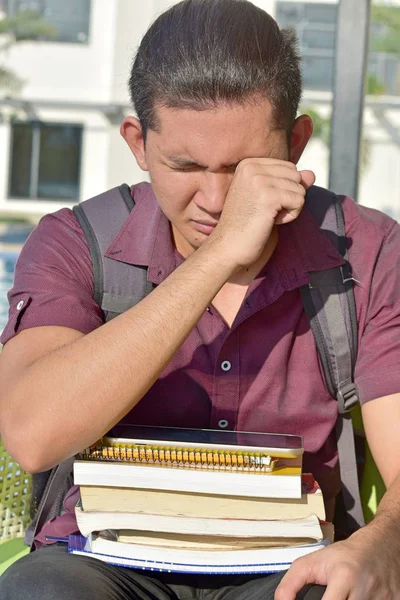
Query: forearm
column 386, row 523
column 389, row 508
column 79, row 391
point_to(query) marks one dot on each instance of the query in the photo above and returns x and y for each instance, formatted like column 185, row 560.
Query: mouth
column 204, row 226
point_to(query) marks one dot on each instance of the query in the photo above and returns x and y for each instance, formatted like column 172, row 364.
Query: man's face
column 192, row 159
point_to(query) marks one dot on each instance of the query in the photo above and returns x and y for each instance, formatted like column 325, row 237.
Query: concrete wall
column 96, row 73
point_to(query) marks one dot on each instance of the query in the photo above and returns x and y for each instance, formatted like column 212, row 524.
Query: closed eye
column 187, row 169
column 196, row 168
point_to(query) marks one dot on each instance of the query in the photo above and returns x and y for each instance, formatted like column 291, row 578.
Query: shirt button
column 226, row 365
column 223, row 423
column 20, row 304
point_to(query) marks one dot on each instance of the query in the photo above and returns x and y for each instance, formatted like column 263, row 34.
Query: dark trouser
column 53, row 574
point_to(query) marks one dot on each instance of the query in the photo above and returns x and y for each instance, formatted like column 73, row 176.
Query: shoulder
column 59, row 242
column 53, row 279
column 63, row 223
column 373, row 240
column 361, row 219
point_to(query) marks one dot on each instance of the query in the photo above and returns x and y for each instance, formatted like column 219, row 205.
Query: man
column 222, row 341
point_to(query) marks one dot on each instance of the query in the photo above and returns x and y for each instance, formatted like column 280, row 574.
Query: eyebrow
column 180, row 161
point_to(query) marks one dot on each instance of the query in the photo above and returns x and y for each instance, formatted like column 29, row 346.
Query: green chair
column 15, row 493
column 372, row 486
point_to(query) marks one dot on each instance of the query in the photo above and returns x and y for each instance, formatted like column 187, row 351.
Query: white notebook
column 269, row 560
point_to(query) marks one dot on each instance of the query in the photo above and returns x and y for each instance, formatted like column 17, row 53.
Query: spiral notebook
column 240, row 451
column 194, row 460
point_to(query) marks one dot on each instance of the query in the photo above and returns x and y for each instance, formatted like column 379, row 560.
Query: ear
column 301, row 133
column 131, row 131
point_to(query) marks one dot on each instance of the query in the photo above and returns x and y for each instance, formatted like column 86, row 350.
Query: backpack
column 328, row 303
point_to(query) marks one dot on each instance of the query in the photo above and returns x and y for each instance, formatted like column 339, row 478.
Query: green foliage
column 27, row 25
column 10, row 81
column 389, row 40
column 14, row 220
column 322, row 131
column 322, row 125
column 373, row 87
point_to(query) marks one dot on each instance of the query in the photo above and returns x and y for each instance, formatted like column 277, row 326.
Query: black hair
column 202, row 53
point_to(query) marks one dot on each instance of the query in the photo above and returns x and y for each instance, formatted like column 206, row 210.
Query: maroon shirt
column 262, row 374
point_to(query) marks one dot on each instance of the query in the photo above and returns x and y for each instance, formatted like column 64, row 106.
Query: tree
column 322, row 131
column 385, row 29
column 24, row 26
column 385, row 38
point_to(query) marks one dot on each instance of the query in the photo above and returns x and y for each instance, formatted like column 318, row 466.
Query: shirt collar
column 145, row 239
column 303, row 247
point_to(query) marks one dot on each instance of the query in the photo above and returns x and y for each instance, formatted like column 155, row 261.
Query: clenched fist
column 264, row 192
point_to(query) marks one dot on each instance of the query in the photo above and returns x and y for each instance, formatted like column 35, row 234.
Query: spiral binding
column 224, row 460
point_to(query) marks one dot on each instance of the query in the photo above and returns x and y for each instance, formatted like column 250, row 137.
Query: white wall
column 379, row 184
column 380, row 181
column 98, row 72
column 131, row 24
column 4, row 162
column 70, row 72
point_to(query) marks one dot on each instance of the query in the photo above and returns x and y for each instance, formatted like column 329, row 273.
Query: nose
column 213, row 191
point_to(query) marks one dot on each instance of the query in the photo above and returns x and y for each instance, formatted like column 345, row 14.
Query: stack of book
column 197, row 501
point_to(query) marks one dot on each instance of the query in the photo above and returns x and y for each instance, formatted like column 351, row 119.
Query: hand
column 264, row 192
column 364, row 567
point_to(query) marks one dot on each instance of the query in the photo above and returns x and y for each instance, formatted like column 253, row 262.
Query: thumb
column 307, row 178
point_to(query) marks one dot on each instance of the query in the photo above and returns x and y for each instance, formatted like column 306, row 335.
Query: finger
column 291, row 206
column 267, row 162
column 307, row 178
column 288, row 185
column 266, row 182
column 337, row 590
column 279, row 172
column 299, row 575
column 304, row 571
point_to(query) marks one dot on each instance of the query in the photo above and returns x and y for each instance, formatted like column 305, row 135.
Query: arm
column 60, row 390
column 367, row 565
column 55, row 377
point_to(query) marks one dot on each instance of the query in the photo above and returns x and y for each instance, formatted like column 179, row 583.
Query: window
column 45, row 161
column 68, row 19
column 315, row 25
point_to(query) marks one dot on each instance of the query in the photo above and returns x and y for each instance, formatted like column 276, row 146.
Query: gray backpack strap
column 330, row 306
column 57, row 483
column 117, row 286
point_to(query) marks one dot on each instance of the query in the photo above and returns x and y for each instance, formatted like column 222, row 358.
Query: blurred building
column 59, row 137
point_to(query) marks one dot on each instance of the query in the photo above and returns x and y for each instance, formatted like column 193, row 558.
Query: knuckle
column 346, row 571
column 246, row 165
column 300, row 189
column 299, row 564
column 370, row 583
column 262, row 181
column 297, row 176
column 293, row 199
